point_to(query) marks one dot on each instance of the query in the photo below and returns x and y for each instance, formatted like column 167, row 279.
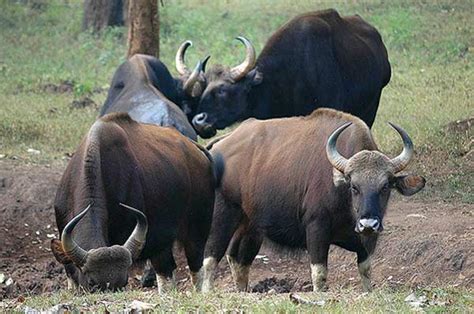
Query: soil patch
column 61, row 88
column 461, row 126
column 83, row 102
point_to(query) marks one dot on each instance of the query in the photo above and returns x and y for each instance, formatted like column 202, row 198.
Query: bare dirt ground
column 424, row 244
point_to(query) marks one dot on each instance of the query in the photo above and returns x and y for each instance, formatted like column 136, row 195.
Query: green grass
column 429, row 45
column 452, row 300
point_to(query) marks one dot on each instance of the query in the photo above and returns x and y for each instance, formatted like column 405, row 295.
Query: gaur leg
column 72, row 285
column 194, row 245
column 72, row 272
column 318, row 242
column 364, row 265
column 243, row 249
column 225, row 221
column 164, row 265
column 149, row 275
column 363, row 259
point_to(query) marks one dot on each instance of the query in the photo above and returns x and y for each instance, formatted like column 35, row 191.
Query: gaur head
column 190, row 84
column 103, row 268
column 370, row 177
column 225, row 98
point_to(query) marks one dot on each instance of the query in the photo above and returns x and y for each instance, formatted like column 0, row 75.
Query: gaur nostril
column 201, row 118
column 367, row 224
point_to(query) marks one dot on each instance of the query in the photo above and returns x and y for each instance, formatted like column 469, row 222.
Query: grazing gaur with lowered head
column 302, row 185
column 143, row 87
column 129, row 192
column 317, row 59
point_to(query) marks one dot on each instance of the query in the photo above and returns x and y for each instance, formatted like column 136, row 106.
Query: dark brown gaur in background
column 129, row 192
column 287, row 180
column 317, row 59
column 143, row 87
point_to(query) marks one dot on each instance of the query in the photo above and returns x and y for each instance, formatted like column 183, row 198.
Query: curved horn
column 72, row 249
column 238, row 72
column 197, row 90
column 336, row 159
column 204, row 62
column 401, row 161
column 195, row 76
column 179, row 59
column 137, row 239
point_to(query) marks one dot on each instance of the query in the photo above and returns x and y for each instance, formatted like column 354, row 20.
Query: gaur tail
column 217, row 163
column 218, row 168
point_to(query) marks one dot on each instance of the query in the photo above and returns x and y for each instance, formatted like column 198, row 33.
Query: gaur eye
column 354, row 189
column 119, row 85
column 385, row 187
column 221, row 93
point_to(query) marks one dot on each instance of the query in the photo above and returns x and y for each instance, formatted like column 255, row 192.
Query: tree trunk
column 125, row 12
column 144, row 28
column 98, row 14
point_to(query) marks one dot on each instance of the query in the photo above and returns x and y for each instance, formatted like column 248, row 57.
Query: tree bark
column 98, row 14
column 144, row 28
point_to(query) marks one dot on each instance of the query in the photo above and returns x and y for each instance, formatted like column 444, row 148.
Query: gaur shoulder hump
column 117, row 117
column 328, row 113
column 324, row 15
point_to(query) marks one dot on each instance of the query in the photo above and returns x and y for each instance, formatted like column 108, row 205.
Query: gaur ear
column 409, row 184
column 338, row 177
column 255, row 77
column 58, row 252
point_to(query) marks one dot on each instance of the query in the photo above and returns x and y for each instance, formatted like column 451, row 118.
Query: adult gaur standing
column 143, row 87
column 167, row 183
column 317, row 59
column 286, row 181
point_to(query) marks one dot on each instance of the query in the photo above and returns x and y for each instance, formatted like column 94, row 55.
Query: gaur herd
column 302, row 171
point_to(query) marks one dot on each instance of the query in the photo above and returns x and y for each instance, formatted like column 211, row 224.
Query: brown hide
column 279, row 184
column 154, row 169
column 279, row 173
